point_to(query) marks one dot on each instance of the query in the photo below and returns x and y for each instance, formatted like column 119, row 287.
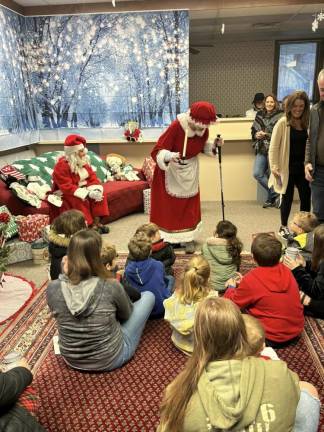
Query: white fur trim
column 208, row 148
column 73, row 149
column 97, row 187
column 183, row 120
column 81, row 193
column 160, row 159
column 181, row 237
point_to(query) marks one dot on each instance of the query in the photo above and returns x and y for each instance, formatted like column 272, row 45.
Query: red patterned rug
column 126, row 399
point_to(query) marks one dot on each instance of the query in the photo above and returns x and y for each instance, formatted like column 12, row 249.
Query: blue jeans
column 307, row 413
column 133, row 328
column 317, row 188
column 261, row 175
column 171, row 282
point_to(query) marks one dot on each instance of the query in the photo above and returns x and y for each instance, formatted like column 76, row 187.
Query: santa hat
column 73, row 144
column 202, row 114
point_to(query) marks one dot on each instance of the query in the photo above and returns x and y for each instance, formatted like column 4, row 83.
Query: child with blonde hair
column 180, row 308
column 256, row 339
column 109, row 259
column 302, row 233
column 223, row 252
column 161, row 250
column 61, row 231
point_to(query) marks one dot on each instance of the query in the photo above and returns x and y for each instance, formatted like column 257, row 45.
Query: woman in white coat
column 287, row 155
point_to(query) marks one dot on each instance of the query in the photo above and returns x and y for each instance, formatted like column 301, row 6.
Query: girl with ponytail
column 181, row 307
column 223, row 252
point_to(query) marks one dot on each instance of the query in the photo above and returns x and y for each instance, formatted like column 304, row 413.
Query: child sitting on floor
column 223, row 252
column 270, row 293
column 181, row 307
column 146, row 273
column 256, row 339
column 302, row 235
column 161, row 251
column 62, row 229
column 108, row 258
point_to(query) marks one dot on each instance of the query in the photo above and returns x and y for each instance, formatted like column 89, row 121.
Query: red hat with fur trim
column 202, row 114
column 74, row 143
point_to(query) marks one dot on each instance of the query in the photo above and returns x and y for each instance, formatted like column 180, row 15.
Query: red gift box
column 30, row 227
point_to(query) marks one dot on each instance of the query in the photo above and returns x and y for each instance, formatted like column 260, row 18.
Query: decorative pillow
column 9, row 174
column 148, row 169
column 25, row 195
column 12, row 227
column 99, row 166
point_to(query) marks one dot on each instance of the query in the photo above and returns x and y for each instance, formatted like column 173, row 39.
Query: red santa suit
column 80, row 190
column 175, row 199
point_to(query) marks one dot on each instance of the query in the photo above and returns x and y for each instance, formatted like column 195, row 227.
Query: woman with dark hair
column 310, row 276
column 221, row 388
column 262, row 127
column 287, row 155
column 89, row 306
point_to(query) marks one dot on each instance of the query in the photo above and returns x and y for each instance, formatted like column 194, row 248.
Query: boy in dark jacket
column 13, row 416
column 161, row 250
column 147, row 274
column 270, row 293
column 302, row 233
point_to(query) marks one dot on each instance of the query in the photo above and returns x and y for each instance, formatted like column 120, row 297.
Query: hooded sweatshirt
column 244, row 395
column 149, row 275
column 271, row 295
column 221, row 263
column 87, row 316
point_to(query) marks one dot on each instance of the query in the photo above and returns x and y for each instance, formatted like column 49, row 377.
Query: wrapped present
column 147, row 201
column 11, row 228
column 148, row 169
column 19, row 251
column 30, row 227
column 40, row 252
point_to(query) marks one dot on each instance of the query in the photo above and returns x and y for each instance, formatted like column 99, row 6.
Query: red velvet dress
column 68, row 182
column 177, row 218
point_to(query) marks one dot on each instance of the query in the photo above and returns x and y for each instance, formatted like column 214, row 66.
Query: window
column 296, row 67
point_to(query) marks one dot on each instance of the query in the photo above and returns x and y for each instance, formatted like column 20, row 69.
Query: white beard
column 198, row 133
column 76, row 162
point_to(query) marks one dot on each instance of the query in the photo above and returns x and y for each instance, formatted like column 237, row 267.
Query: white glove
column 96, row 195
column 81, row 193
column 168, row 156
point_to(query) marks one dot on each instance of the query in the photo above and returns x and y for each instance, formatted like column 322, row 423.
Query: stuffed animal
column 119, row 169
column 132, row 131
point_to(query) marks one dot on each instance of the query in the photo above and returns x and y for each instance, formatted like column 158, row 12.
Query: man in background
column 258, row 105
column 314, row 154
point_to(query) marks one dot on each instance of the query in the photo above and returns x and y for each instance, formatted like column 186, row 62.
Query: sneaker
column 268, row 204
column 284, row 232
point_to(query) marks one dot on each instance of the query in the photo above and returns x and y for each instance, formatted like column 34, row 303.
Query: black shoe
column 268, row 204
column 102, row 229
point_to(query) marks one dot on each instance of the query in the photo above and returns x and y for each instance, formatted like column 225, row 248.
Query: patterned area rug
column 126, row 399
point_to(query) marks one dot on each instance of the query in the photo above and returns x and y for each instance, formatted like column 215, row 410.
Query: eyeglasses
column 295, row 223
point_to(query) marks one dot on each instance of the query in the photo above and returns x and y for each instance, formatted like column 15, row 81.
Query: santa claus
column 175, row 200
column 79, row 184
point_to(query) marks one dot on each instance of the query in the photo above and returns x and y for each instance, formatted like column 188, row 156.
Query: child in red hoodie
column 270, row 293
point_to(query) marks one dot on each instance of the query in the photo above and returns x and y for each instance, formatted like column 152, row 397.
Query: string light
column 113, row 3
column 223, row 28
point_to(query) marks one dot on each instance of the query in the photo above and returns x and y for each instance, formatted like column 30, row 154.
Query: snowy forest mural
column 93, row 71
